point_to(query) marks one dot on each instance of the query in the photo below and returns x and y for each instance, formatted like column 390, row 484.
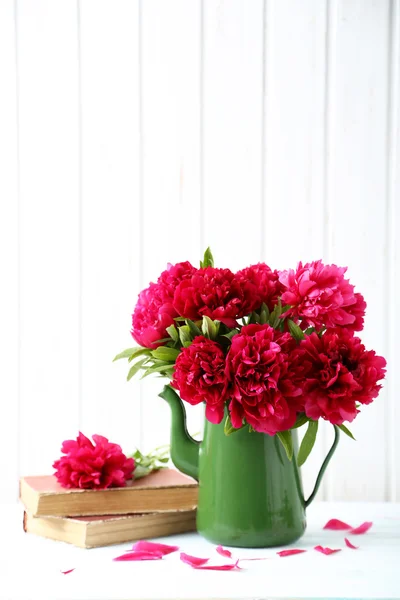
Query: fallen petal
column 363, row 528
column 262, row 558
column 193, row 561
column 139, row 555
column 337, row 525
column 350, row 545
column 231, row 567
column 223, row 551
column 162, row 549
column 290, row 552
column 326, row 551
column 69, row 571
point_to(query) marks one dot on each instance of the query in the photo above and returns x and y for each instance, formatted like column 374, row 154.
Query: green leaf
column 347, row 432
column 173, row 333
column 274, row 319
column 195, row 331
column 166, row 354
column 229, row 428
column 300, row 421
column 307, row 442
column 230, row 334
column 131, row 352
column 208, row 260
column 285, row 308
column 210, row 328
column 285, row 437
column 309, row 330
column 136, row 367
column 158, row 369
column 145, row 351
column 185, row 335
column 154, row 461
column 295, row 330
column 264, row 314
column 137, row 455
column 264, row 308
column 162, row 340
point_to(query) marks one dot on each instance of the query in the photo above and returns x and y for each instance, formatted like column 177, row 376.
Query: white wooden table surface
column 30, row 567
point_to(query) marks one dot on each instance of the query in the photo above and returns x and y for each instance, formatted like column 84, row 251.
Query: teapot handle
column 323, row 467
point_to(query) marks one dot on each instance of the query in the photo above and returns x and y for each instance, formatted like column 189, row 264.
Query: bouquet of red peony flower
column 271, row 350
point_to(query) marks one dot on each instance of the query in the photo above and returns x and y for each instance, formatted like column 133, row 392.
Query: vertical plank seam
column 330, row 22
column 141, row 192
column 393, row 100
column 330, row 38
column 80, row 216
column 18, row 184
column 201, row 125
column 263, row 138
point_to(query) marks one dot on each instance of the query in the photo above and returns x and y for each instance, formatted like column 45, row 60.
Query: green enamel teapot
column 250, row 493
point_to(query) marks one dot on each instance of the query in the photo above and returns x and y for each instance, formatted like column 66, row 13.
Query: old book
column 161, row 491
column 92, row 532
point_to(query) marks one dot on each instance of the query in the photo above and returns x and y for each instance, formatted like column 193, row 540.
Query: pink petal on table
column 326, row 551
column 363, row 528
column 231, row 567
column 164, row 549
column 139, row 555
column 350, row 545
column 223, row 551
column 337, row 525
column 290, row 552
column 69, row 571
column 193, row 561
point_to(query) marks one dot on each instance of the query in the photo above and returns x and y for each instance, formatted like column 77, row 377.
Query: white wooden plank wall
column 49, row 227
column 134, row 133
column 110, row 212
column 9, row 256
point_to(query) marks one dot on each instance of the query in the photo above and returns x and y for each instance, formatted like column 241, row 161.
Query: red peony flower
column 259, row 370
column 154, row 311
column 321, row 296
column 172, row 276
column 338, row 373
column 259, row 284
column 199, row 376
column 210, row 292
column 151, row 317
column 93, row 466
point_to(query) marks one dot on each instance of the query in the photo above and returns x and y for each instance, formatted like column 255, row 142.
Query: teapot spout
column 184, row 449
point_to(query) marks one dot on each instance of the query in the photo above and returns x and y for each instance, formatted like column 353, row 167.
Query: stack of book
column 162, row 503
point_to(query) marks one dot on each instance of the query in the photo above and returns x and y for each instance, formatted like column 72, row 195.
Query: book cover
column 165, row 490
column 93, row 532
